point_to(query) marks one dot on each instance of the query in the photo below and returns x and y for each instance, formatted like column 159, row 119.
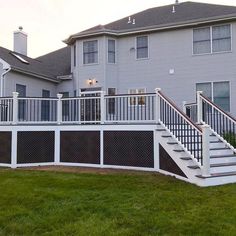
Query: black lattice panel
column 80, row 147
column 129, row 148
column 167, row 163
column 5, row 147
column 35, row 147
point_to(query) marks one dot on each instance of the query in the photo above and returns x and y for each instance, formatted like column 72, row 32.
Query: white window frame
column 136, row 49
column 211, row 40
column 212, row 90
column 88, row 64
column 112, row 63
column 136, row 98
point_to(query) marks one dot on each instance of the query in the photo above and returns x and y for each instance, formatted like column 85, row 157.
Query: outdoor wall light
column 92, row 81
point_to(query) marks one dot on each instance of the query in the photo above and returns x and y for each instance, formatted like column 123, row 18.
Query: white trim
column 90, row 40
column 136, row 49
column 107, row 52
column 36, row 164
column 211, row 40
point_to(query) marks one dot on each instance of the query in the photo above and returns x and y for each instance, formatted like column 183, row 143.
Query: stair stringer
column 176, row 157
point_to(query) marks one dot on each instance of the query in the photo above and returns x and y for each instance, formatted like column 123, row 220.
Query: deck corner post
column 15, row 108
column 158, row 108
column 14, row 148
column 205, row 150
column 59, row 109
column 199, row 107
column 102, row 107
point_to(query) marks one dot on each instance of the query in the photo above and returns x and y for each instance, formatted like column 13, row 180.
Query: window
column 45, row 106
column 21, row 89
column 212, row 39
column 74, row 53
column 111, row 101
column 90, row 52
column 139, row 100
column 111, row 51
column 218, row 92
column 142, row 47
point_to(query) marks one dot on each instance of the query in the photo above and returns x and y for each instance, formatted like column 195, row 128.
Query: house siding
column 167, row 50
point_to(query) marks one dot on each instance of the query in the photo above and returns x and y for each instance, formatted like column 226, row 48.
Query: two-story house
column 180, row 48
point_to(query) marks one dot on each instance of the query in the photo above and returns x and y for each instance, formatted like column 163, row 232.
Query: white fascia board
column 6, row 66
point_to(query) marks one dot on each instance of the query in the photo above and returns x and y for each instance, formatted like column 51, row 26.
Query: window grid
column 142, row 47
column 111, row 51
column 90, row 52
column 137, row 101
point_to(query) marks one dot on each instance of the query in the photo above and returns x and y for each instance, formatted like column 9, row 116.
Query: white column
column 156, row 151
column 14, row 148
column 158, row 110
column 206, row 150
column 199, row 107
column 57, row 146
column 59, row 109
column 102, row 107
column 15, row 108
column 184, row 107
column 101, row 148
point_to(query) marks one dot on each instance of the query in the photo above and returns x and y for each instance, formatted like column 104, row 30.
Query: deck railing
column 89, row 108
column 181, row 126
column 206, row 111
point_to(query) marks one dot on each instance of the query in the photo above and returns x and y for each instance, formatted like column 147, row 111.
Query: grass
column 56, row 203
column 230, row 138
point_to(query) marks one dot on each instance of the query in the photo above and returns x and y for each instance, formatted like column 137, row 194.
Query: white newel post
column 158, row 108
column 102, row 106
column 199, row 107
column 15, row 108
column 206, row 150
column 59, row 109
column 184, row 107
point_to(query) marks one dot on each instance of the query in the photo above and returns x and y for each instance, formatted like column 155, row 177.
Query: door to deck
column 90, row 107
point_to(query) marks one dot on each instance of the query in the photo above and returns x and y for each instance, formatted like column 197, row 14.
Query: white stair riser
column 221, row 152
column 218, row 180
column 222, row 169
column 222, row 160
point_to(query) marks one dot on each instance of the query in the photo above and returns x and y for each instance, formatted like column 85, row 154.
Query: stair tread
column 178, row 150
column 215, row 165
column 220, row 148
column 172, row 143
column 166, row 136
column 223, row 156
column 186, row 158
column 224, row 174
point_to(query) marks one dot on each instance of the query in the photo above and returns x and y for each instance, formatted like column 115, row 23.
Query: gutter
column 6, row 69
column 35, row 75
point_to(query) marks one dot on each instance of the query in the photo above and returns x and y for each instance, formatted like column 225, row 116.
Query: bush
column 230, row 138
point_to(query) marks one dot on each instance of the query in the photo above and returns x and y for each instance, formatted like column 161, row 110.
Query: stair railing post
column 199, row 107
column 184, row 107
column 205, row 150
column 15, row 108
column 59, row 108
column 158, row 103
column 102, row 106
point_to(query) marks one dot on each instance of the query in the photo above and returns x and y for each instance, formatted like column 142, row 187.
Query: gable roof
column 162, row 17
column 46, row 67
column 59, row 61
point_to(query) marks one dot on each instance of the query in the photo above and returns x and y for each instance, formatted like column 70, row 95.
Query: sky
column 48, row 22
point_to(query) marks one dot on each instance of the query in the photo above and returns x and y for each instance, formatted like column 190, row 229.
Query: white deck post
column 15, row 108
column 184, row 107
column 14, row 148
column 59, row 109
column 158, row 108
column 206, row 150
column 199, row 107
column 102, row 107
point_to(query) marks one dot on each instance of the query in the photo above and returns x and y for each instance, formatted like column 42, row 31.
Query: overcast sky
column 48, row 22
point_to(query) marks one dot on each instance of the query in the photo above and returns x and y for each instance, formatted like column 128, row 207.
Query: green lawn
column 56, row 203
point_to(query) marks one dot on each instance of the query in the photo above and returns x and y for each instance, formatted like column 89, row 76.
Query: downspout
column 2, row 81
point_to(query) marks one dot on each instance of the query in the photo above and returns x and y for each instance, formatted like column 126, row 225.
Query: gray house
column 180, row 48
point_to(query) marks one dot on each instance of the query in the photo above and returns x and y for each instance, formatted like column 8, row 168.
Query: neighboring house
column 40, row 77
column 180, row 48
